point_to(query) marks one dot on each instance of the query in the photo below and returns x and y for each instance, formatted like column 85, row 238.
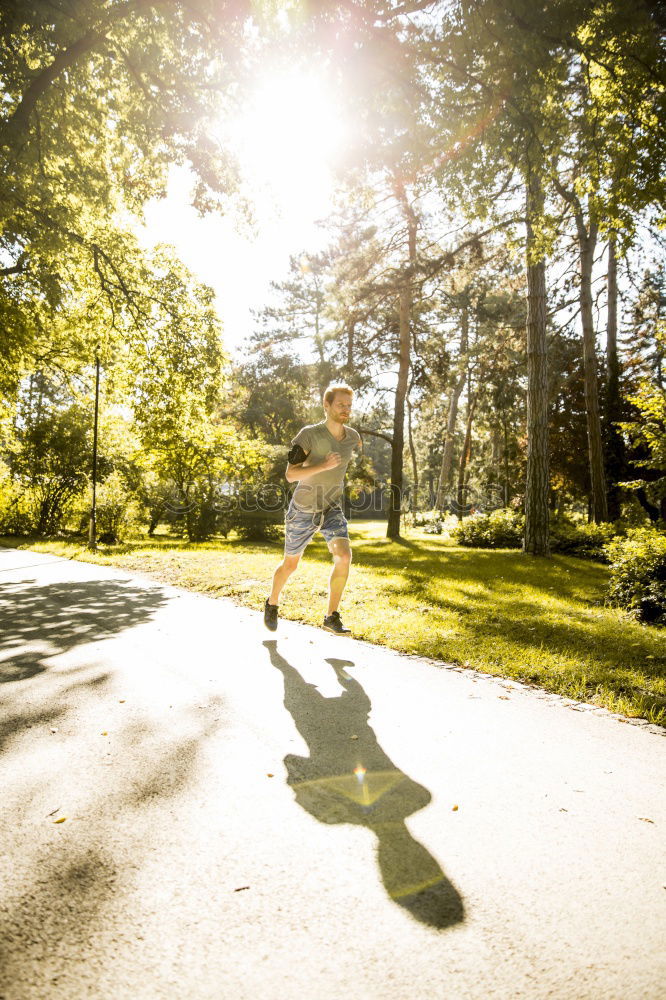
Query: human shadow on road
column 348, row 778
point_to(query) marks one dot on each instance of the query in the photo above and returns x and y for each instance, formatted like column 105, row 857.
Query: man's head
column 338, row 401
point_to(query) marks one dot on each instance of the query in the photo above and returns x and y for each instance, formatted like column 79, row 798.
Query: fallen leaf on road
column 504, row 697
column 270, row 775
column 353, row 737
column 104, row 733
column 122, row 701
column 61, row 820
column 645, row 819
column 241, row 888
column 455, row 809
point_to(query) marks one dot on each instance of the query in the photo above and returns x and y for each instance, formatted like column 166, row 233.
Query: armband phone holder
column 296, row 455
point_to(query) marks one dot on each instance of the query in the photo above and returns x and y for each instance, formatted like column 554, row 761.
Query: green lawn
column 541, row 621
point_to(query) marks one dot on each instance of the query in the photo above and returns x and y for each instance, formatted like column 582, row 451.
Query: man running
column 318, row 460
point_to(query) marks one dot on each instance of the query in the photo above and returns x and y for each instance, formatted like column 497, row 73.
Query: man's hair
column 334, row 387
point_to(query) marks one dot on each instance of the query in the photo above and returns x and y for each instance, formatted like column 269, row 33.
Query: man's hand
column 332, row 460
column 299, row 473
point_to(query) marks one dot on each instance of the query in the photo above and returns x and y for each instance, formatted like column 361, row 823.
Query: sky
column 287, row 140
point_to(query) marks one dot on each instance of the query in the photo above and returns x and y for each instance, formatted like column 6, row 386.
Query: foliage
column 638, row 574
column 51, row 456
column 98, row 100
column 584, row 539
column 647, row 435
column 17, row 506
column 504, row 528
column 500, row 529
column 118, row 511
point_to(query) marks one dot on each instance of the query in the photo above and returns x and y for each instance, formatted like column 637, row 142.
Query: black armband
column 296, row 455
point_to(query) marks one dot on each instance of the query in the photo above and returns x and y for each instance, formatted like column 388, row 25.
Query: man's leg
column 340, row 549
column 281, row 575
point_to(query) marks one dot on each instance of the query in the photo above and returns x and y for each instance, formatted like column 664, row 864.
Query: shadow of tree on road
column 60, row 909
column 40, row 621
column 56, row 617
column 348, row 778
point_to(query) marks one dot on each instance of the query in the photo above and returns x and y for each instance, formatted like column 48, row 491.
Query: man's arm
column 297, row 471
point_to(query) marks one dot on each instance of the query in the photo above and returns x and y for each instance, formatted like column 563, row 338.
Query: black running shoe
column 270, row 616
column 333, row 623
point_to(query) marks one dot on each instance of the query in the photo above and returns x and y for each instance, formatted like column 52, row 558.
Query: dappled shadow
column 554, row 603
column 64, row 903
column 406, row 543
column 43, row 621
column 63, row 892
column 56, row 617
column 533, row 624
column 491, row 569
column 348, row 778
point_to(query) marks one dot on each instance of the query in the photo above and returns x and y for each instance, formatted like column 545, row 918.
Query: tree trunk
column 465, row 455
column 652, row 512
column 505, row 456
column 613, row 443
column 351, row 329
column 537, row 484
column 586, row 243
column 405, row 305
column 404, row 357
column 155, row 518
column 449, row 435
column 412, row 452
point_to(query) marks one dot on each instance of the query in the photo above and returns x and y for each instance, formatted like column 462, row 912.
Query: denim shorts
column 301, row 525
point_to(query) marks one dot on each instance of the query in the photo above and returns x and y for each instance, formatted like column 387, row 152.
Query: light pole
column 92, row 538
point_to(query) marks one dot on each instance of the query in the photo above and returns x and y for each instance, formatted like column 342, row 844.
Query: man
column 318, row 460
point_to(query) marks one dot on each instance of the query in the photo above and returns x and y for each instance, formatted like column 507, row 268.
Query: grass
column 540, row 621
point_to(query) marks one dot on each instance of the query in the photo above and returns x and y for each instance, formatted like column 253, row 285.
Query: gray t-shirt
column 324, row 489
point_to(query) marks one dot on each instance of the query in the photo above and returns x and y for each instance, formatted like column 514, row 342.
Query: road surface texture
column 193, row 808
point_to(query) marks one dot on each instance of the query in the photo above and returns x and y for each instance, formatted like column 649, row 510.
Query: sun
column 288, row 139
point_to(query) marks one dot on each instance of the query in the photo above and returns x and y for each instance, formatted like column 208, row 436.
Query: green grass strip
column 539, row 621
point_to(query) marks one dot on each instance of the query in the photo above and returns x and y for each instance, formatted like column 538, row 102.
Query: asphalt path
column 192, row 807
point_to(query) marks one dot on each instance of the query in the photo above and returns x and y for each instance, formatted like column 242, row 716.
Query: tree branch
column 15, row 269
column 377, row 434
column 18, row 120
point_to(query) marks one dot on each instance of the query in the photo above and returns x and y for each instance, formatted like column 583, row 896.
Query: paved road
column 301, row 816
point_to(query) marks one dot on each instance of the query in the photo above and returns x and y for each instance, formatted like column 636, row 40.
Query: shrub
column 504, row 529
column 255, row 527
column 117, row 511
column 500, row 529
column 638, row 574
column 580, row 538
column 17, row 508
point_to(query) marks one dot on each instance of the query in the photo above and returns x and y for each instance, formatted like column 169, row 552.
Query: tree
column 537, row 479
column 614, row 451
column 50, row 460
column 98, row 100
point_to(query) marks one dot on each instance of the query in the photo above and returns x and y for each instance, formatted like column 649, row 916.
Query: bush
column 17, row 509
column 255, row 527
column 580, row 538
column 638, row 574
column 117, row 511
column 501, row 529
column 504, row 529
